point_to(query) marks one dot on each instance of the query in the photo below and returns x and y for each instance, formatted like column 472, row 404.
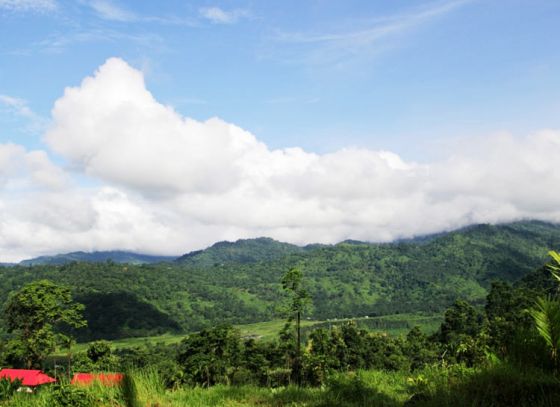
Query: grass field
column 269, row 329
column 354, row 389
column 498, row 385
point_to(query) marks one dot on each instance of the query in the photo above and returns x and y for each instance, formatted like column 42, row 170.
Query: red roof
column 108, row 379
column 27, row 377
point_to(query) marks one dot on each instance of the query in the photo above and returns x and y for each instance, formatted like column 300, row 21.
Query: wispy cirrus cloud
column 216, row 15
column 37, row 6
column 333, row 47
column 59, row 42
column 112, row 11
column 16, row 105
column 20, row 108
column 292, row 99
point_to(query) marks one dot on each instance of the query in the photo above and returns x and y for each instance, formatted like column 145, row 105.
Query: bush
column 66, row 395
column 278, row 377
column 352, row 389
column 8, row 388
column 499, row 385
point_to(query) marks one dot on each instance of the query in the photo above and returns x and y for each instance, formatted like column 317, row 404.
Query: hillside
column 243, row 251
column 239, row 282
column 116, row 256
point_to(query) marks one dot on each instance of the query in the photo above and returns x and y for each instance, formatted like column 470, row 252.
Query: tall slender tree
column 292, row 282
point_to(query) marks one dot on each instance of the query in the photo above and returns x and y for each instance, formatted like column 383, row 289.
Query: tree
column 555, row 268
column 210, row 356
column 508, row 323
column 546, row 314
column 37, row 315
column 292, row 282
column 419, row 349
column 460, row 319
column 462, row 333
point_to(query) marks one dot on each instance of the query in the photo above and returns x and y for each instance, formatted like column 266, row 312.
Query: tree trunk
column 298, row 347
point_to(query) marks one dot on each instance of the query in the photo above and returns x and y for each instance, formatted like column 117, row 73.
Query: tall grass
column 498, row 385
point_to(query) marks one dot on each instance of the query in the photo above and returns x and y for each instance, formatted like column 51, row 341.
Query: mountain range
column 116, row 256
column 239, row 282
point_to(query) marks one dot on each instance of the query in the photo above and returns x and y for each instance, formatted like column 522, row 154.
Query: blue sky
column 317, row 74
column 448, row 104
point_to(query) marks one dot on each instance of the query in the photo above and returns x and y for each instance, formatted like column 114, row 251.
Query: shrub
column 8, row 388
column 66, row 395
column 499, row 385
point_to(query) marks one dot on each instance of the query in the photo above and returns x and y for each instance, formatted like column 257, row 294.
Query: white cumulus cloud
column 164, row 183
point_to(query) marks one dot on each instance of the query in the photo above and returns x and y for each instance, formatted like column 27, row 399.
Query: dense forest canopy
column 240, row 282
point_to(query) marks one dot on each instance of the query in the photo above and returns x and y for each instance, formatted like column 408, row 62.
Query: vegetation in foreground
column 493, row 385
column 506, row 353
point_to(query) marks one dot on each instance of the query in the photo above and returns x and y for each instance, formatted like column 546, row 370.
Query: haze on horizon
column 163, row 130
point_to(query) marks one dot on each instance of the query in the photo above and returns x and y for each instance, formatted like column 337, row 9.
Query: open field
column 398, row 324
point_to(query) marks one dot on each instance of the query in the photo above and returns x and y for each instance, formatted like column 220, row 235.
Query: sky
column 163, row 127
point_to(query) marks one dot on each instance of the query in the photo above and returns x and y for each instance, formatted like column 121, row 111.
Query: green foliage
column 462, row 335
column 292, row 282
column 115, row 256
column 239, row 283
column 500, row 385
column 130, row 391
column 508, row 322
column 354, row 390
column 121, row 314
column 66, row 395
column 460, row 319
column 555, row 268
column 8, row 388
column 461, row 364
column 100, row 357
column 546, row 314
column 210, row 356
column 420, row 350
column 243, row 251
column 98, row 350
column 36, row 314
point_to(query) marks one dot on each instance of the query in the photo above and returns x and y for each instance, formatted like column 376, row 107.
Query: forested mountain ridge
column 117, row 256
column 240, row 282
column 242, row 251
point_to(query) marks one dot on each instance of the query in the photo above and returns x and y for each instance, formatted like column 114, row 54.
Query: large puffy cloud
column 113, row 128
column 168, row 184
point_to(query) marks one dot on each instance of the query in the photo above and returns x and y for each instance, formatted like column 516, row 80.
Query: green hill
column 116, row 256
column 243, row 251
column 239, row 282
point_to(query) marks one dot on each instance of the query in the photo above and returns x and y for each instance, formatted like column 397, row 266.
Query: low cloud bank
column 164, row 183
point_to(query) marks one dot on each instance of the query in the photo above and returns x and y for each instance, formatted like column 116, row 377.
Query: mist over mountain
column 239, row 282
column 116, row 256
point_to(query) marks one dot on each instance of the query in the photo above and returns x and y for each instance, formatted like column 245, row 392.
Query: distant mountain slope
column 94, row 257
column 239, row 282
column 243, row 251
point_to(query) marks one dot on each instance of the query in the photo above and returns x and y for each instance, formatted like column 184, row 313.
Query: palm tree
column 546, row 314
column 555, row 268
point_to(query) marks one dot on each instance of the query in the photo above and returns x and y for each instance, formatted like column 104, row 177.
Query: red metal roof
column 28, row 377
column 108, row 379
